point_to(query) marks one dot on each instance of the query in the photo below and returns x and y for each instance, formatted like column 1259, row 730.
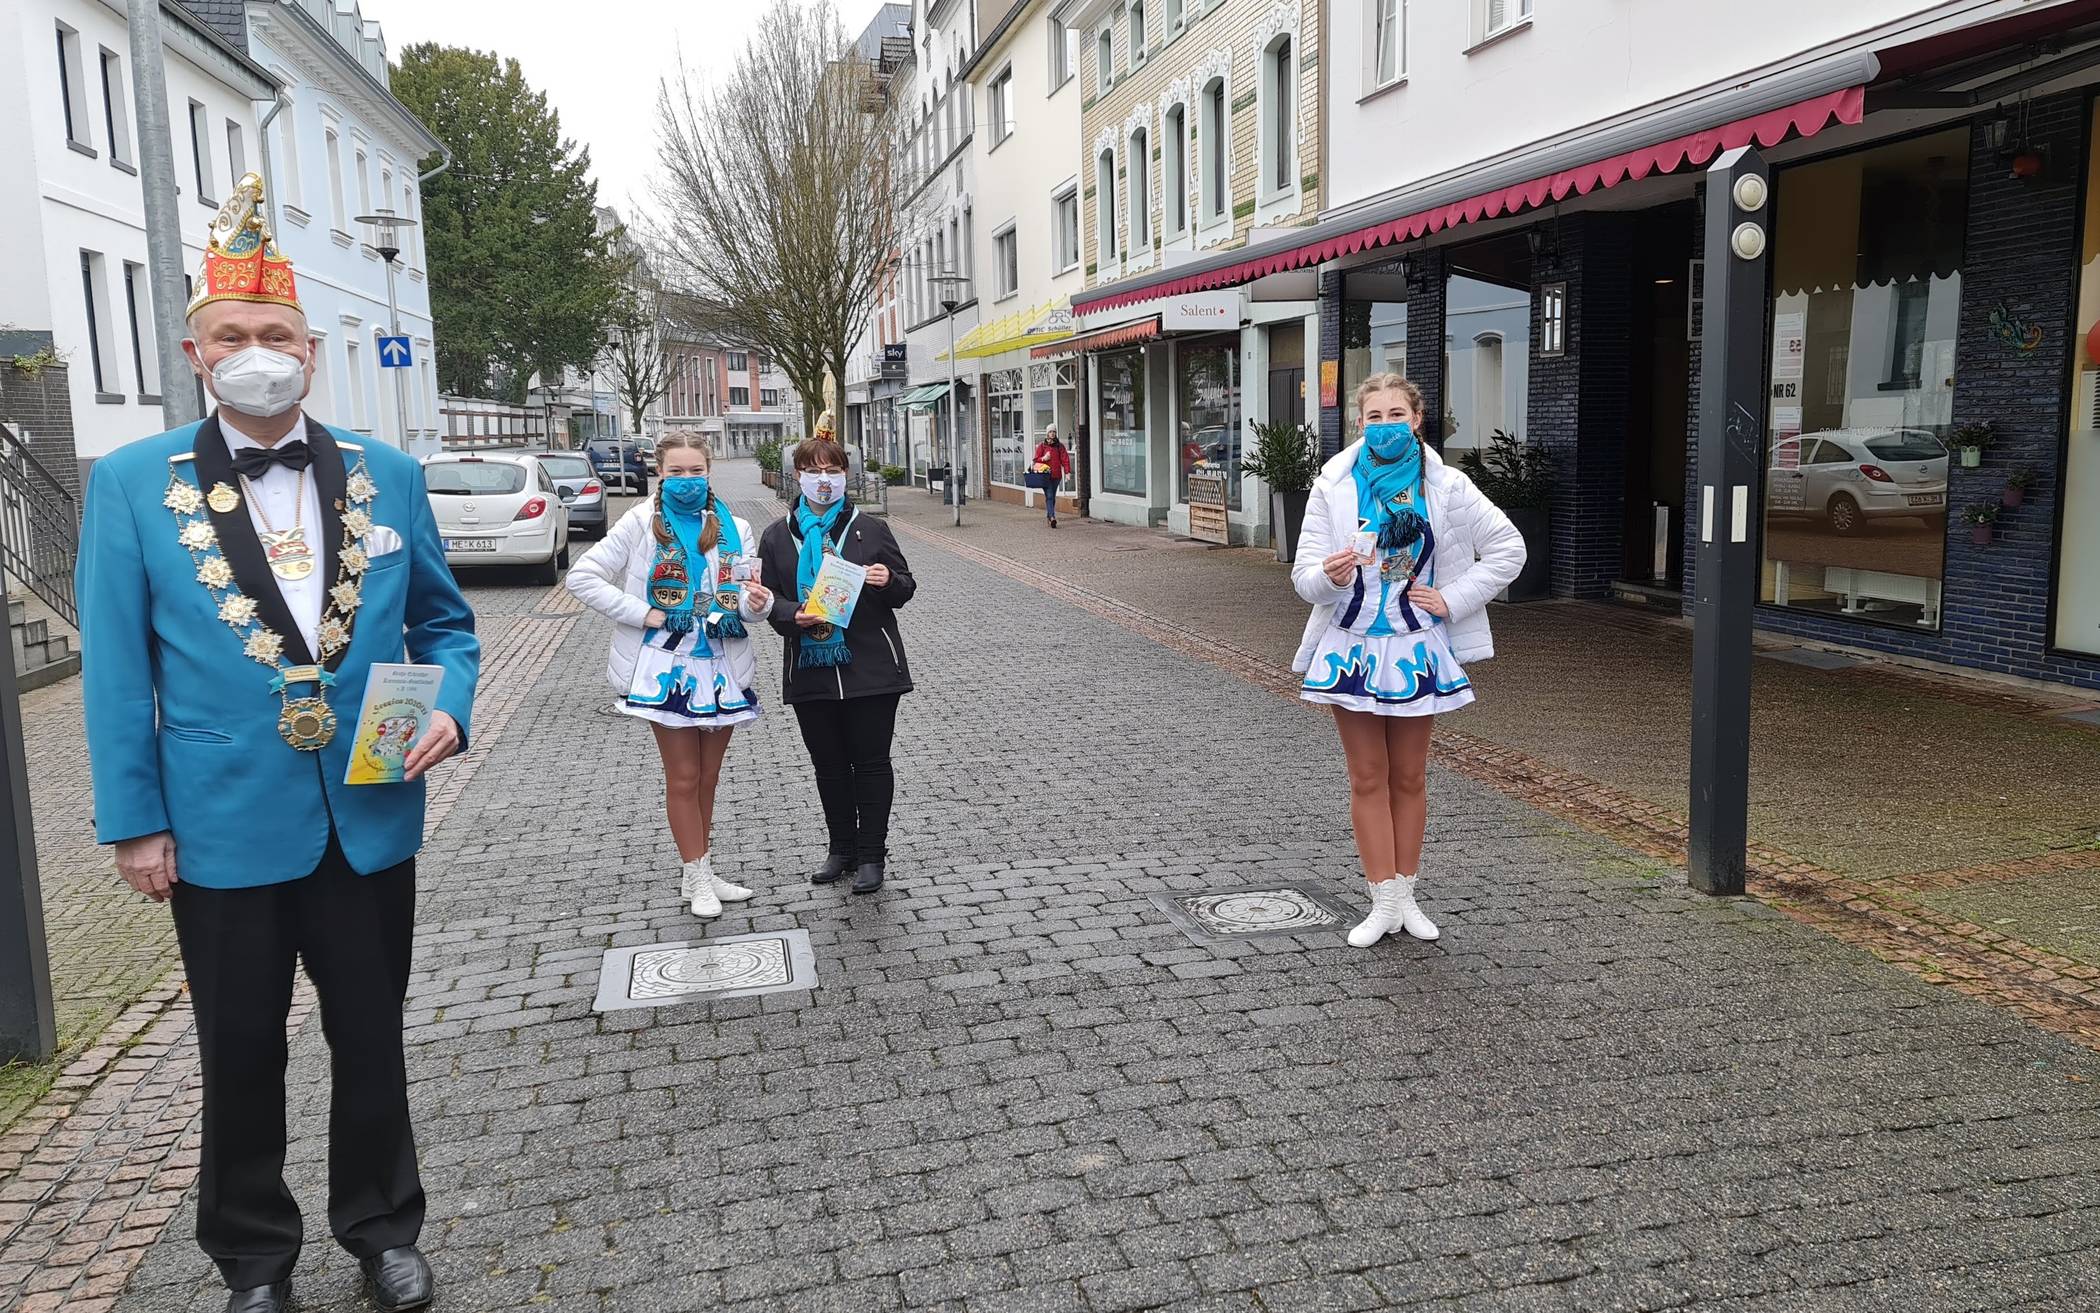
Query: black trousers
column 240, row 948
column 849, row 744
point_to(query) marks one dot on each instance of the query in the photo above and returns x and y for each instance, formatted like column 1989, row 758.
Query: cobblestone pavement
column 1017, row 1085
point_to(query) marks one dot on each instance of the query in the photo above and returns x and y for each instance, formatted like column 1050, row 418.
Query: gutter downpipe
column 262, row 145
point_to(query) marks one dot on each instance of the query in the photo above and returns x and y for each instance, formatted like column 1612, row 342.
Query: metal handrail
column 39, row 526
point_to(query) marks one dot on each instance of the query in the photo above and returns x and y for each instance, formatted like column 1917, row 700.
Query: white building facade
column 72, row 211
column 340, row 146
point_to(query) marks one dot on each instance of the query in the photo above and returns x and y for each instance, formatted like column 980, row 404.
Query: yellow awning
column 1015, row 332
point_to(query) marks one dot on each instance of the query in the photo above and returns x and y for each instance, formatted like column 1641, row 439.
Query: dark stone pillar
column 1331, row 440
column 1425, row 338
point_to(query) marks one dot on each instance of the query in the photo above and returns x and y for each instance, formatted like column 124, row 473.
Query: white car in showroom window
column 498, row 508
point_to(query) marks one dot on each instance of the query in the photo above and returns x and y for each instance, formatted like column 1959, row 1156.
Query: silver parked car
column 1846, row 477
column 580, row 488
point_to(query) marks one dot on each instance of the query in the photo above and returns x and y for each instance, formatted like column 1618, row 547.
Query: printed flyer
column 836, row 589
column 398, row 703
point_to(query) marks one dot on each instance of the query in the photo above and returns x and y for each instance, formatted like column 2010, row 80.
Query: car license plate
column 1924, row 499
column 470, row 544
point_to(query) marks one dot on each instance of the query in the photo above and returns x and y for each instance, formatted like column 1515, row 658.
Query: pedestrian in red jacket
column 1047, row 470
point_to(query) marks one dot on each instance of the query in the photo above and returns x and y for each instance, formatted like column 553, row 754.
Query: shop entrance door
column 1657, row 420
column 1287, row 394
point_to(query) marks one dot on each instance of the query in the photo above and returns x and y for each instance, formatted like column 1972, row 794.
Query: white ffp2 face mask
column 258, row 381
column 821, row 489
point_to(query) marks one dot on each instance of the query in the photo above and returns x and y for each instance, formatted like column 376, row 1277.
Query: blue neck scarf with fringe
column 814, row 528
column 723, row 621
column 1391, row 495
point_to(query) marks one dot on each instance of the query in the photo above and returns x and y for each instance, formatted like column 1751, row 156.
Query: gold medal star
column 265, row 646
column 334, row 636
column 237, row 610
column 215, row 573
column 345, row 597
column 357, row 524
column 361, row 487
column 198, row 535
column 354, row 561
column 183, row 497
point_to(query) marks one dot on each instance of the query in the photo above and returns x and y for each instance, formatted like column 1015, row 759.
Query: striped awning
column 1144, row 330
column 1049, row 322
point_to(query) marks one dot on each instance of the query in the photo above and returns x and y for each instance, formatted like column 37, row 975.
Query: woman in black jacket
column 843, row 686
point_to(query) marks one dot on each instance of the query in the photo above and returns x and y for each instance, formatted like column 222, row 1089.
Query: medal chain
column 298, row 507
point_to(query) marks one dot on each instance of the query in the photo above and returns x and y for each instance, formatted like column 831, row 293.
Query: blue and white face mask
column 686, row 494
column 821, row 489
column 1389, row 441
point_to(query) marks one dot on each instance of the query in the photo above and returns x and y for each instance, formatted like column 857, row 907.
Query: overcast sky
column 599, row 63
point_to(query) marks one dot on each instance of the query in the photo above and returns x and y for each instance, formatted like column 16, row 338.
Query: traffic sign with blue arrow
column 394, row 353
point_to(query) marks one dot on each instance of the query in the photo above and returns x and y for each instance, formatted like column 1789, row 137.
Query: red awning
column 1144, row 330
column 1805, row 118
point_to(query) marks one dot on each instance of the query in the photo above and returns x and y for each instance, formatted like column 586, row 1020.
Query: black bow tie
column 254, row 462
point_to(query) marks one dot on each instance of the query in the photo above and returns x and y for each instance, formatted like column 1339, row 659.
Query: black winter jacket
column 879, row 664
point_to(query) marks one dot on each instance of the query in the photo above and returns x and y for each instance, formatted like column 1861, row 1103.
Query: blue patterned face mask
column 686, row 494
column 1389, row 442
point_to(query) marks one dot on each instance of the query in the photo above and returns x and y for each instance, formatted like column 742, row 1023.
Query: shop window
column 1054, row 398
column 1207, row 414
column 1374, row 341
column 1866, row 275
column 1010, row 447
column 1487, row 317
column 2078, row 547
column 1122, row 435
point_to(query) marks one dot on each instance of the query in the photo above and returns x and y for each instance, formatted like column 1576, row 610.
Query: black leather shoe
column 400, row 1279
column 868, row 878
column 273, row 1298
column 834, row 868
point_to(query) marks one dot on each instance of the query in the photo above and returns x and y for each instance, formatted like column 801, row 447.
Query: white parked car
column 498, row 508
column 1847, row 477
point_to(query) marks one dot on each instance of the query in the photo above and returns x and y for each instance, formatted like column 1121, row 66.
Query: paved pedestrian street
column 1020, row 1081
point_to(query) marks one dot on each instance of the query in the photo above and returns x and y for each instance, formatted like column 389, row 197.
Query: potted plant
column 895, row 474
column 1518, row 477
column 2016, row 485
column 1972, row 438
column 1286, row 456
column 1980, row 518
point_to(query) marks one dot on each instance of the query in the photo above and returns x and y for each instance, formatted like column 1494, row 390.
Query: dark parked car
column 582, row 491
column 621, row 465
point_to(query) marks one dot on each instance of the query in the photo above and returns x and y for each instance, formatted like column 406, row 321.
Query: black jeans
column 849, row 744
column 240, row 948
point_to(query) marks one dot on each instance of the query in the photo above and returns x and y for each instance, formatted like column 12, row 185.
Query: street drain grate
column 650, row 975
column 1815, row 659
column 1285, row 909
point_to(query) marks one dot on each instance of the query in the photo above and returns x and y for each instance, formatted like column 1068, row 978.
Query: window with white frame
column 411, row 234
column 739, row 362
column 1064, row 52
column 287, row 127
column 145, row 363
column 1105, row 203
column 72, row 89
column 1137, row 32
column 1492, row 18
column 1173, row 17
column 101, row 341
column 1139, row 170
column 236, row 155
column 1105, row 59
column 1174, row 177
column 1006, row 262
column 200, row 151
column 1279, row 117
column 1064, row 228
column 337, row 218
column 115, row 121
column 1387, row 47
column 1216, row 126
column 1002, row 106
column 364, row 185
column 354, row 371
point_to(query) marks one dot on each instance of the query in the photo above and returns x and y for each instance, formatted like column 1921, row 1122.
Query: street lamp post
column 950, row 299
column 386, row 229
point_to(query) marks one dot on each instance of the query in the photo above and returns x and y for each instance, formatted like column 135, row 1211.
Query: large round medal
column 306, row 723
column 822, row 630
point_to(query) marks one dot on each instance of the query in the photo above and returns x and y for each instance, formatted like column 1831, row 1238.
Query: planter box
column 1286, row 521
column 1536, row 579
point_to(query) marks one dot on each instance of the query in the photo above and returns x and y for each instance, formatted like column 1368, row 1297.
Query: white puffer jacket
column 613, row 580
column 1478, row 551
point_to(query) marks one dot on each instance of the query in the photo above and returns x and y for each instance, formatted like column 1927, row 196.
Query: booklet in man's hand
column 398, row 702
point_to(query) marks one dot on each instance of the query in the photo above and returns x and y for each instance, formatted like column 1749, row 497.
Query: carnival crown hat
column 241, row 259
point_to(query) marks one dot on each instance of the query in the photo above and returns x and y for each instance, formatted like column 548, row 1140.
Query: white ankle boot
column 731, row 893
column 1406, row 912
column 698, row 884
column 1383, row 920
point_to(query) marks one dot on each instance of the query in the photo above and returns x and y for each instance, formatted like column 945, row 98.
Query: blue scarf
column 722, row 619
column 814, row 529
column 673, row 589
column 1391, row 496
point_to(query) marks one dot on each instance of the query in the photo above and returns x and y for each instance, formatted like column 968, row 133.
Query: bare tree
column 780, row 195
column 637, row 354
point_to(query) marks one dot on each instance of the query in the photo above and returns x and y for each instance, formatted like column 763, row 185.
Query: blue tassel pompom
column 1402, row 529
column 823, row 655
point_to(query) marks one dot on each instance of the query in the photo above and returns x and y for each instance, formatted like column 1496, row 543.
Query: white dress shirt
column 277, row 496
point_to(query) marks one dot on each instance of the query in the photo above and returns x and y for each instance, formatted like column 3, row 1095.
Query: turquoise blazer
column 182, row 724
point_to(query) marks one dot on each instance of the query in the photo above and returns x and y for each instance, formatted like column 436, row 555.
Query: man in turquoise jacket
column 238, row 579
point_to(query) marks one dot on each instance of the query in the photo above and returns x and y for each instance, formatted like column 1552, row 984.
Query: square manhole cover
column 1282, row 909
column 649, row 975
column 1815, row 658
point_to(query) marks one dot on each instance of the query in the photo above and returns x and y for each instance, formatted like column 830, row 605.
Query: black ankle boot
column 868, row 878
column 834, row 868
